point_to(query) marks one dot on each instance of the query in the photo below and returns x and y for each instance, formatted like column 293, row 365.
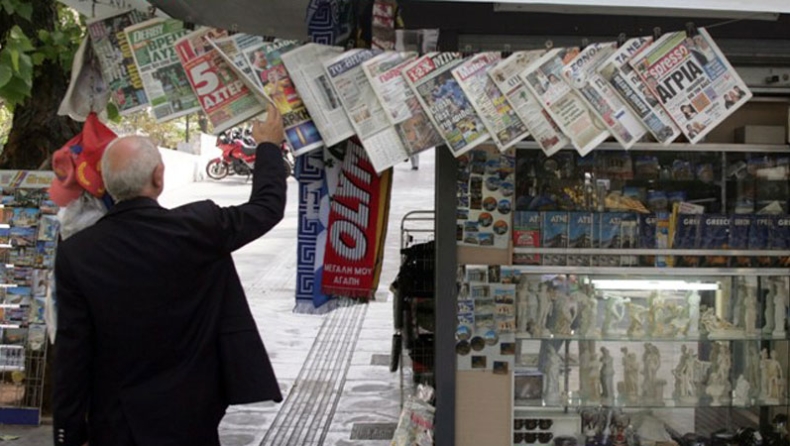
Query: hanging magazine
column 163, row 77
column 633, row 91
column 265, row 61
column 385, row 73
column 232, row 49
column 503, row 123
column 431, row 78
column 116, row 60
column 223, row 95
column 581, row 74
column 378, row 137
column 305, row 66
column 565, row 106
column 692, row 80
column 506, row 76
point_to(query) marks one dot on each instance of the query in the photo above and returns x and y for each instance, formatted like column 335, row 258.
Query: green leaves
column 16, row 66
column 23, row 8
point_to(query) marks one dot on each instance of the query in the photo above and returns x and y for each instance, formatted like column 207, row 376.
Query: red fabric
column 350, row 259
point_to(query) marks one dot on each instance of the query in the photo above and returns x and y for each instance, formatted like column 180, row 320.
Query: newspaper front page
column 582, row 74
column 431, row 79
column 692, row 80
column 305, row 66
column 368, row 117
column 117, row 62
column 544, row 78
column 506, row 76
column 232, row 48
column 503, row 123
column 163, row 77
column 222, row 94
column 629, row 86
column 269, row 73
column 385, row 73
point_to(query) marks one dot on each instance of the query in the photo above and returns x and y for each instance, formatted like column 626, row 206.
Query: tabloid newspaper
column 692, row 80
column 269, row 73
column 506, row 76
column 582, row 74
column 385, row 73
column 305, row 66
column 451, row 113
column 503, row 123
column 116, row 60
column 544, row 78
column 633, row 91
column 232, row 49
column 164, row 79
column 223, row 95
column 378, row 136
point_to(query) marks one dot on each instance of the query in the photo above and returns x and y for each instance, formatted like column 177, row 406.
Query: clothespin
column 189, row 24
column 656, row 33
column 467, row 52
column 691, row 29
column 507, row 52
column 620, row 40
column 151, row 12
column 585, row 42
column 234, row 28
column 549, row 44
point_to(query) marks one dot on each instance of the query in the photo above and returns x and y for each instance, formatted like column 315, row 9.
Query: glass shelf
column 576, row 402
column 625, row 338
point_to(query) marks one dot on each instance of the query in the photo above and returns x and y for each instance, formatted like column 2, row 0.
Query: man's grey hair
column 128, row 179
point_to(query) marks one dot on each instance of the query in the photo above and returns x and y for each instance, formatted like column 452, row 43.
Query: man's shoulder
column 196, row 207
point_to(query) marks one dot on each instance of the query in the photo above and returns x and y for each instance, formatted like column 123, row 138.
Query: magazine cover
column 564, row 105
column 526, row 233
column 305, row 66
column 538, row 122
column 692, row 80
column 385, row 73
column 269, row 73
column 431, row 79
column 116, row 61
column 222, row 94
column 162, row 75
column 378, row 137
column 503, row 123
column 629, row 86
column 600, row 97
column 232, row 49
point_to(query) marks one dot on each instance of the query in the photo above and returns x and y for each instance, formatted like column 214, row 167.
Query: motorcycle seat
column 249, row 151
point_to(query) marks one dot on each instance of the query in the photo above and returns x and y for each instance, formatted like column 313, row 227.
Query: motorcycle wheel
column 216, row 169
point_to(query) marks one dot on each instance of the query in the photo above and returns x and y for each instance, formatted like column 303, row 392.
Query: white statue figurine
column 685, row 387
column 551, row 384
column 636, row 320
column 522, row 303
column 590, row 376
column 629, row 387
column 753, row 368
column 613, row 313
column 764, row 363
column 652, row 387
column 569, row 310
column 693, row 303
column 749, row 302
column 768, row 328
column 607, row 375
column 776, row 386
column 545, row 306
column 780, row 307
column 719, row 382
column 589, row 313
column 742, row 392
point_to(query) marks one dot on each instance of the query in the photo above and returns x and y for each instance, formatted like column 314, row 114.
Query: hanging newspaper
column 164, row 79
column 232, row 49
column 223, row 96
column 116, row 60
column 506, row 76
column 581, row 74
column 269, row 73
column 566, row 108
column 451, row 113
column 629, row 86
column 378, row 137
column 305, row 66
column 503, row 123
column 692, row 80
column 385, row 73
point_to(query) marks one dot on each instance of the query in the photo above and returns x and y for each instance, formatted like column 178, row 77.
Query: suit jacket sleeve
column 73, row 361
column 239, row 225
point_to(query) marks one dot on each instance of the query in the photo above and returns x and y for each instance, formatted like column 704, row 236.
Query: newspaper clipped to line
column 116, row 61
column 503, row 123
column 544, row 78
column 163, row 77
column 305, row 66
column 385, row 73
column 378, row 136
column 223, row 95
column 274, row 83
column 600, row 97
column 692, row 80
column 451, row 113
column 506, row 76
column 232, row 49
column 629, row 86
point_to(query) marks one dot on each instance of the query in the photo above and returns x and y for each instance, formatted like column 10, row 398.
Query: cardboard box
column 761, row 134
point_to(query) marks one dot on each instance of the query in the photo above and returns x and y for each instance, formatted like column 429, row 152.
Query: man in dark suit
column 155, row 337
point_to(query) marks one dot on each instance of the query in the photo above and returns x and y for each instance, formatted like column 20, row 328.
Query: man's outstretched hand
column 270, row 130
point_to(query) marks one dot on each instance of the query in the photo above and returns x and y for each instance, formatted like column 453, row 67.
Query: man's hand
column 270, row 130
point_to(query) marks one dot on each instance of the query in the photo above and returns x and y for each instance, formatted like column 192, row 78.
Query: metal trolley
column 413, row 304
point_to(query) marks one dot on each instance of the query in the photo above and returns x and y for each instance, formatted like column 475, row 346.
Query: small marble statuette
column 780, row 307
column 749, row 302
column 589, row 313
column 607, row 376
column 614, row 311
column 522, row 303
column 628, row 388
column 652, row 386
column 685, row 377
column 693, row 306
column 719, row 386
column 551, row 376
column 636, row 320
column 545, row 307
column 742, row 392
column 589, row 373
column 773, row 390
column 568, row 312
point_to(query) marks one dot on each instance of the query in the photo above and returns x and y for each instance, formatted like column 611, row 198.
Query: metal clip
column 656, row 33
column 691, row 29
column 507, row 52
column 620, row 40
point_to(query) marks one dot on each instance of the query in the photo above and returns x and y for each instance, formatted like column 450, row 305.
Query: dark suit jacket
column 155, row 337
